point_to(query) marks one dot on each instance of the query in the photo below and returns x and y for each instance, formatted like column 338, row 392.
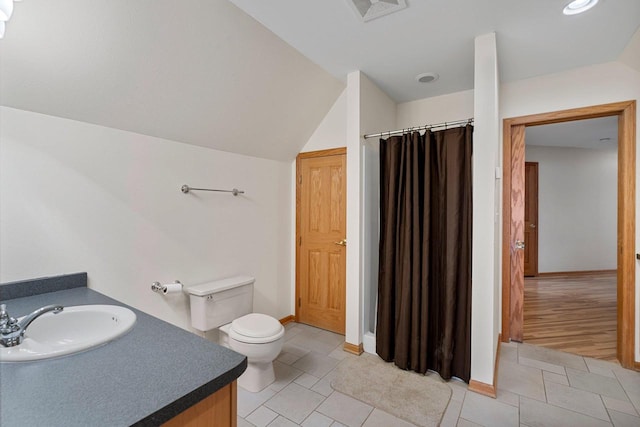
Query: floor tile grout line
column 519, row 405
column 316, row 410
column 373, row 408
column 624, row 390
column 464, row 399
column 575, row 412
column 544, row 388
column 519, row 415
column 606, row 409
column 560, row 407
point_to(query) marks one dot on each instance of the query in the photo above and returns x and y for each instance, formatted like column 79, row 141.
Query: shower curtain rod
column 419, row 128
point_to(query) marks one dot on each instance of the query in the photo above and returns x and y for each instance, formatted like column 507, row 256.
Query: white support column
column 485, row 312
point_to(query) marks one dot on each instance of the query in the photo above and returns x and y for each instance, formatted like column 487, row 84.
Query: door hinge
column 299, row 179
column 299, row 302
column 300, row 241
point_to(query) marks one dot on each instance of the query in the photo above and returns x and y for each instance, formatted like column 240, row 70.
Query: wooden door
column 517, row 234
column 321, row 233
column 531, row 219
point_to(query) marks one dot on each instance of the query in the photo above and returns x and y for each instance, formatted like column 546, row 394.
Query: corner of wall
column 485, row 291
column 631, row 54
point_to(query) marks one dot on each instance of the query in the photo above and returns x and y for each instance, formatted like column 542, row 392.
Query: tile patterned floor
column 536, row 387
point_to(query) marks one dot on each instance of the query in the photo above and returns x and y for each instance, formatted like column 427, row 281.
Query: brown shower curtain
column 424, row 278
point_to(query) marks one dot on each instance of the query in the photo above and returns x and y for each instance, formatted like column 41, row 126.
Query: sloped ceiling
column 200, row 72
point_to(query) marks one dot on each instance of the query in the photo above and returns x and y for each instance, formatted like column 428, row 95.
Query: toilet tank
column 216, row 303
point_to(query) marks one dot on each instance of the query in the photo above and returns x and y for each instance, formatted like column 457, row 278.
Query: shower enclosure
column 370, row 239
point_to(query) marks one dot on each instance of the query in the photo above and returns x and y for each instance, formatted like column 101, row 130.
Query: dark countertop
column 145, row 377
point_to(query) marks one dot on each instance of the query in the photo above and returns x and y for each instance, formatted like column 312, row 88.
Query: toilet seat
column 256, row 328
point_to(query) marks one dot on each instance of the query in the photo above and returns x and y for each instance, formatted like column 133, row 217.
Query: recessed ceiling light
column 6, row 9
column 427, row 77
column 579, row 6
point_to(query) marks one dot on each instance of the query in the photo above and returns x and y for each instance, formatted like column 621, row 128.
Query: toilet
column 227, row 305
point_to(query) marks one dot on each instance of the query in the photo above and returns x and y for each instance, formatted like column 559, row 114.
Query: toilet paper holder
column 162, row 289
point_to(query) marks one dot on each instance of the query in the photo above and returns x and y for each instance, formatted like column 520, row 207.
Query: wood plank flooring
column 574, row 314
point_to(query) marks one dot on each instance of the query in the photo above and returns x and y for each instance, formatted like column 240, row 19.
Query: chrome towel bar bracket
column 185, row 189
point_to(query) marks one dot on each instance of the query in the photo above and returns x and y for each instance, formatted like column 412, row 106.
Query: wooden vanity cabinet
column 218, row 410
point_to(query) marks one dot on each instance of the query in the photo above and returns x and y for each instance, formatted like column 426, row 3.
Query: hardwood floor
column 574, row 314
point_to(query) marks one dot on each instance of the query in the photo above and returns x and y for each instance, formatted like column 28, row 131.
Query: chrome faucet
column 12, row 330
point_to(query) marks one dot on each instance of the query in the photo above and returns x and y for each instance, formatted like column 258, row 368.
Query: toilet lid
column 256, row 325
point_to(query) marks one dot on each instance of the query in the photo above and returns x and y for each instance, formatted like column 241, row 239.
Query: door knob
column 519, row 244
column 342, row 242
column 532, row 226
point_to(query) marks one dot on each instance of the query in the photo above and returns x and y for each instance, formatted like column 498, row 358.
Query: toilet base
column 257, row 377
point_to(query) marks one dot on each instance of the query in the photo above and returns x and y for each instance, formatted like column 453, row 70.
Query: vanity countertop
column 145, row 377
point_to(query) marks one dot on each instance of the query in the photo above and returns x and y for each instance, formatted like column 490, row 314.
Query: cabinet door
column 217, row 410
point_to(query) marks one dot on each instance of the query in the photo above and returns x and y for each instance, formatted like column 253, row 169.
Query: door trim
column 514, row 138
column 308, row 155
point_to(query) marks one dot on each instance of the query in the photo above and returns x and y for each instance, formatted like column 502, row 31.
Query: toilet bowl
column 226, row 305
column 260, row 338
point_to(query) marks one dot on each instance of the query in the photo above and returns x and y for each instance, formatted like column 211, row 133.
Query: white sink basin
column 76, row 328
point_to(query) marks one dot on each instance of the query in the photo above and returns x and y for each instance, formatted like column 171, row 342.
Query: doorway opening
column 514, row 224
column 570, row 237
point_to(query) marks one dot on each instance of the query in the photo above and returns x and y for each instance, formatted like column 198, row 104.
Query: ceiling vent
column 372, row 9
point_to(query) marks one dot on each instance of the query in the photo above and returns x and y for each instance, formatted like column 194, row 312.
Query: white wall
column 631, row 54
column 577, row 208
column 438, row 109
column 597, row 84
column 332, row 131
column 80, row 197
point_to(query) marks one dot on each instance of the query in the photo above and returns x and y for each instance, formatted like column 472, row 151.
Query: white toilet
column 227, row 304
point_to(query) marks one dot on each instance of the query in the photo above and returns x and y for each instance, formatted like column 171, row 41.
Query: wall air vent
column 372, row 9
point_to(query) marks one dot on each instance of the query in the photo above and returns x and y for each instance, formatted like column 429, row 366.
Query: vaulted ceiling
column 200, row 72
column 205, row 72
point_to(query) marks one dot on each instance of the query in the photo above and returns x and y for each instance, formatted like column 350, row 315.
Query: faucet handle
column 4, row 315
column 6, row 321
